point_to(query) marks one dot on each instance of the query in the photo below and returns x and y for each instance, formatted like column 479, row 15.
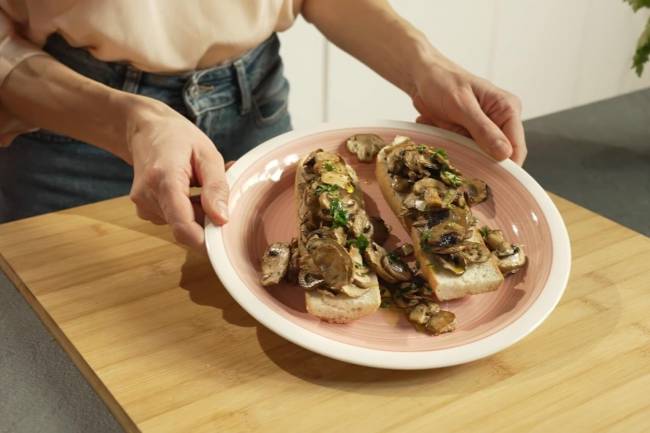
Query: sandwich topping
column 436, row 201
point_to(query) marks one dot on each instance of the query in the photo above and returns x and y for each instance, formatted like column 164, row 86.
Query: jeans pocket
column 271, row 97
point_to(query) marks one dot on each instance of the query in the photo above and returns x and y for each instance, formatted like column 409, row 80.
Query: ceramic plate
column 262, row 211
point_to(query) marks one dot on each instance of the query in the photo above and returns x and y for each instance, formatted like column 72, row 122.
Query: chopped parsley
column 425, row 236
column 328, row 166
column 394, row 258
column 421, row 148
column 451, row 178
column 485, row 230
column 338, row 213
column 361, row 242
column 324, row 187
column 441, row 152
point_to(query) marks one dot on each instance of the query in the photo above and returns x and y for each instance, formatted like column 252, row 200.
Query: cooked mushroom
column 510, row 257
column 380, row 229
column 294, row 268
column 374, row 254
column 396, row 267
column 496, row 242
column 404, row 250
column 475, row 191
column 275, row 263
column 332, row 260
column 512, row 263
column 447, row 262
column 339, row 179
column 309, row 281
column 421, row 313
column 361, row 225
column 365, row 146
column 474, row 252
column 400, row 184
column 441, row 322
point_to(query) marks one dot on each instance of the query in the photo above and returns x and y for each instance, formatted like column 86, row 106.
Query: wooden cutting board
column 158, row 337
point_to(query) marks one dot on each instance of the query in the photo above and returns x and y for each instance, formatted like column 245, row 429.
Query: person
column 100, row 99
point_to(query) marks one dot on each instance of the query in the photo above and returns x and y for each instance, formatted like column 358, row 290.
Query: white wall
column 554, row 54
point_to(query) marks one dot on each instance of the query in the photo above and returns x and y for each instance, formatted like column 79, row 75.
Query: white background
column 554, row 54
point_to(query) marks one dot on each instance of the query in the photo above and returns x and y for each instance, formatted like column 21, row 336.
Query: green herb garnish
column 451, row 178
column 338, row 213
column 324, row 187
column 421, row 148
column 361, row 242
column 425, row 236
column 393, row 257
column 328, row 166
column 485, row 230
column 441, row 152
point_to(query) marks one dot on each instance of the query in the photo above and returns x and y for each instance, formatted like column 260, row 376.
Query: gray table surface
column 597, row 156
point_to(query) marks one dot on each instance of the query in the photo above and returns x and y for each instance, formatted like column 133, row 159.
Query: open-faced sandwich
column 339, row 260
column 334, row 232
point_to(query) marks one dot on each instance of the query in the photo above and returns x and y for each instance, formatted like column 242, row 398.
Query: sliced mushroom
column 365, row 146
column 275, row 263
column 339, row 179
column 496, row 242
column 475, row 191
column 380, row 229
column 447, row 262
column 332, row 260
column 362, row 276
column 404, row 250
column 396, row 268
column 474, row 252
column 374, row 254
column 294, row 268
column 400, row 184
column 353, row 291
column 426, row 183
column 309, row 281
column 421, row 313
column 512, row 263
column 441, row 322
column 361, row 225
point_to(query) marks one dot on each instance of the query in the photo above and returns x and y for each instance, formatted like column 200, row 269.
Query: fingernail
column 222, row 208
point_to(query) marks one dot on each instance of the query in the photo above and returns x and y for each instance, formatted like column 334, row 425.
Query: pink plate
column 262, row 210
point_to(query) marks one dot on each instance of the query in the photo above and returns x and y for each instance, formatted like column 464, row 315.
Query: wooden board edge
column 118, row 412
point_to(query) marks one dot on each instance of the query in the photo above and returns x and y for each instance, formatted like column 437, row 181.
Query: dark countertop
column 597, row 156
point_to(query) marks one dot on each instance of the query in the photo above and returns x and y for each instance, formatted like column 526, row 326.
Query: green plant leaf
column 638, row 4
column 642, row 53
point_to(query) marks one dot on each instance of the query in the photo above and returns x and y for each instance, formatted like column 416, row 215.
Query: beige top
column 162, row 36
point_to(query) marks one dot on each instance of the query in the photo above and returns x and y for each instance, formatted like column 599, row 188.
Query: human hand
column 453, row 99
column 169, row 155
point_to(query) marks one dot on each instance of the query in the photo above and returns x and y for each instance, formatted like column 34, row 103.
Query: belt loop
column 131, row 79
column 244, row 87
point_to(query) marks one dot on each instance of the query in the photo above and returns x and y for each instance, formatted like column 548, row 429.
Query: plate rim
column 531, row 318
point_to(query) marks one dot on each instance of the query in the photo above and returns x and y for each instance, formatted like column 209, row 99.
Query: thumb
column 486, row 134
column 214, row 188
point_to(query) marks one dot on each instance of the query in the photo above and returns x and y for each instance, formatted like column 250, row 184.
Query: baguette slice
column 477, row 278
column 339, row 308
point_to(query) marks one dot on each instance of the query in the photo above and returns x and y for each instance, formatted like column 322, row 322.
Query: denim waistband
column 244, row 73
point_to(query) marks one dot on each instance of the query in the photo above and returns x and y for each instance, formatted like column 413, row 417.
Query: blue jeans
column 238, row 105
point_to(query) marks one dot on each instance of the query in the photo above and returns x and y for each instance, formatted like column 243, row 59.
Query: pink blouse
column 163, row 36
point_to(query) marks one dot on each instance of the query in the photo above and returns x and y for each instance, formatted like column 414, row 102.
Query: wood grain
column 162, row 342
